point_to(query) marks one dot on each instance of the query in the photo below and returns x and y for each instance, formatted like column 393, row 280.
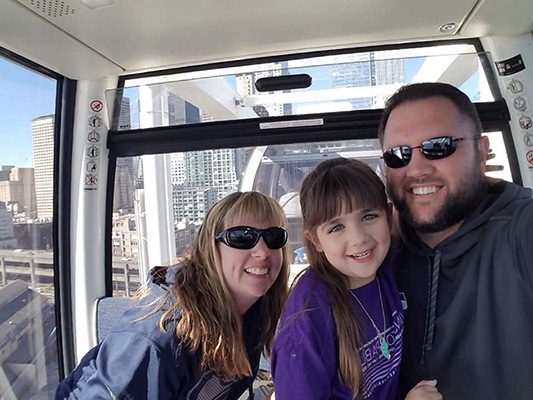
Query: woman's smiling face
column 249, row 273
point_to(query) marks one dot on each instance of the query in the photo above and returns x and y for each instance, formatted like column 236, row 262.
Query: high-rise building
column 7, row 235
column 124, row 119
column 181, row 112
column 177, row 168
column 43, row 161
column 18, row 191
column 34, row 234
column 191, row 204
column 203, row 177
column 220, row 169
column 123, row 196
column 389, row 71
column 200, row 173
column 124, row 236
column 185, row 232
column 5, row 171
column 362, row 70
column 199, row 178
column 138, row 173
column 353, row 72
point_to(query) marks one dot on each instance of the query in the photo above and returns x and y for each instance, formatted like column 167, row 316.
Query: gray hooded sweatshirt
column 469, row 315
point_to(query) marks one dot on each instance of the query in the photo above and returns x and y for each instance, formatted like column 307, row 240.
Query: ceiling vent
column 49, row 8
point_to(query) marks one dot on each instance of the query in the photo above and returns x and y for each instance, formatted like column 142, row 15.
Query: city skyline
column 26, row 95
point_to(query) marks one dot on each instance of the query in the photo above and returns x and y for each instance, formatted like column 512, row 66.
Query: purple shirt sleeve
column 304, row 357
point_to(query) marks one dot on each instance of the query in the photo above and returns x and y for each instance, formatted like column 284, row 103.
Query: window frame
column 64, row 122
column 241, row 133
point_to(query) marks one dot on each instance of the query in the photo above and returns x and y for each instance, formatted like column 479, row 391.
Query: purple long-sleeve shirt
column 305, row 363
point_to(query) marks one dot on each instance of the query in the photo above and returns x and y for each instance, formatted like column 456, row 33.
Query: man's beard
column 457, row 206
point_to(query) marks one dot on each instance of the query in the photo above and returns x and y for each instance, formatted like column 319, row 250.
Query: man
column 467, row 269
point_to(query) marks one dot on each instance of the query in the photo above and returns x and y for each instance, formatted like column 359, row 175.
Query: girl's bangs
column 343, row 192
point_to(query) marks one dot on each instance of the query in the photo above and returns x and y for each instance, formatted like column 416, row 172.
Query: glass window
column 125, row 246
column 28, row 350
column 197, row 180
column 500, row 162
column 344, row 82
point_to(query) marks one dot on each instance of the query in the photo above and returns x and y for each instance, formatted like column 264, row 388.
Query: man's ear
column 483, row 150
column 314, row 239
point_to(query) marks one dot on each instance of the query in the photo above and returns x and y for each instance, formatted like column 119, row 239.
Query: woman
column 200, row 326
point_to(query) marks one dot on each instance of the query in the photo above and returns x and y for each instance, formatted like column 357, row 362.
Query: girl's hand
column 424, row 390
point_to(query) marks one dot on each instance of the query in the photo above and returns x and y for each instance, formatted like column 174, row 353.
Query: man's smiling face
column 434, row 195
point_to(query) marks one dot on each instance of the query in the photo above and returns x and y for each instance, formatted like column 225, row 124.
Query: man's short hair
column 422, row 91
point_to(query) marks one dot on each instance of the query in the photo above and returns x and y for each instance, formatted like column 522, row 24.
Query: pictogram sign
column 92, row 152
column 95, row 121
column 529, row 157
column 91, row 180
column 96, row 106
column 93, row 136
column 91, row 166
column 525, row 122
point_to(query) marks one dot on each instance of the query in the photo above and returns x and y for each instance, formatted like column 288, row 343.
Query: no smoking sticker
column 91, row 180
column 96, row 106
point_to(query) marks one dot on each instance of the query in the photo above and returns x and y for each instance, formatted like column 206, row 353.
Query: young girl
column 341, row 333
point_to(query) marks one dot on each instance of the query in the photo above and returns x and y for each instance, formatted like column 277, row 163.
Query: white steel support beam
column 213, row 96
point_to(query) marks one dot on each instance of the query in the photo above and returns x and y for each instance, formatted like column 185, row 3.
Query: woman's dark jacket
column 139, row 361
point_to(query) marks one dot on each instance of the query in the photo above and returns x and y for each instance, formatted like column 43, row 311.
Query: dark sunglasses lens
column 397, row 157
column 437, row 148
column 242, row 238
column 275, row 238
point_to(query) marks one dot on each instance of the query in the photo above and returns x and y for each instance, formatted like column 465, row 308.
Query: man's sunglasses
column 246, row 237
column 432, row 149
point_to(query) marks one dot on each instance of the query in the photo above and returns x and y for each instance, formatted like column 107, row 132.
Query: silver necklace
column 384, row 345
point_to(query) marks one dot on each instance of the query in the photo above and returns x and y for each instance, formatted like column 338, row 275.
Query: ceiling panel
column 22, row 32
column 501, row 18
column 138, row 35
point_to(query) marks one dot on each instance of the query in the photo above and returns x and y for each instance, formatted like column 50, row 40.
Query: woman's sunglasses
column 432, row 149
column 246, row 237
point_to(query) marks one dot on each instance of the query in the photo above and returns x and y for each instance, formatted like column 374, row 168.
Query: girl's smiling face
column 355, row 243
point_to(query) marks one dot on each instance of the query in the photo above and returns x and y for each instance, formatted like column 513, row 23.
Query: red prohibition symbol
column 96, row 106
column 529, row 157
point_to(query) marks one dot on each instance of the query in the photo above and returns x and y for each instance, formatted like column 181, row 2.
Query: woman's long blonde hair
column 210, row 320
column 332, row 187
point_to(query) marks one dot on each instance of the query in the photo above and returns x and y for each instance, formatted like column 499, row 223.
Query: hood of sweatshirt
column 497, row 197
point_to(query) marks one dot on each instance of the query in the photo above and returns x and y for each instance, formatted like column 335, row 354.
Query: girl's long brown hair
column 335, row 186
column 209, row 318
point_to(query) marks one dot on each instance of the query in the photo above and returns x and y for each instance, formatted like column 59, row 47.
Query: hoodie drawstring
column 251, row 390
column 433, row 282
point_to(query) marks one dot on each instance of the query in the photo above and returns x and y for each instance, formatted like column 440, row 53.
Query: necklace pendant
column 385, row 349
